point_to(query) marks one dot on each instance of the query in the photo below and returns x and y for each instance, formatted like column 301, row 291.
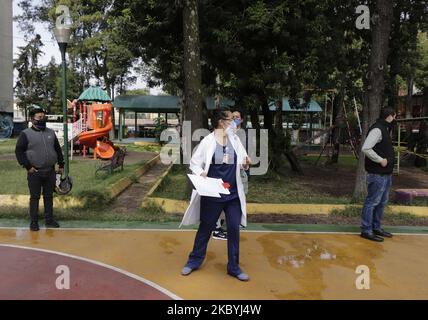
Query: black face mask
column 40, row 124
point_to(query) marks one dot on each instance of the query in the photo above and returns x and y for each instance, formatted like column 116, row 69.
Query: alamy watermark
column 362, row 282
column 170, row 152
column 63, row 280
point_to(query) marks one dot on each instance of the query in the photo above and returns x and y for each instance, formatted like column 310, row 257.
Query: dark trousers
column 43, row 179
column 210, row 212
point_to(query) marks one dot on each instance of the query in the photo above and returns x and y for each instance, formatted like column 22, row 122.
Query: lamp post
column 62, row 35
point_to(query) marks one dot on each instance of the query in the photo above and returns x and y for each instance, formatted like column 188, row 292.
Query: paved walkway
column 129, row 201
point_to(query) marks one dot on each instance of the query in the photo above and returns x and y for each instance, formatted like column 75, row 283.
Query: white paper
column 209, row 187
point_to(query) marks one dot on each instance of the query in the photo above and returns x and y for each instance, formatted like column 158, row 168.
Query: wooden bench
column 115, row 162
column 406, row 196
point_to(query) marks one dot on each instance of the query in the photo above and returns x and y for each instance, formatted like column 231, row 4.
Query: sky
column 50, row 47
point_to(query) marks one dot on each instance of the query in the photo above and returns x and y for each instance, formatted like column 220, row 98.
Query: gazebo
column 156, row 104
column 303, row 112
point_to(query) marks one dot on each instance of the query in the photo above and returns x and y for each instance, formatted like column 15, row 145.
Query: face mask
column 40, row 124
column 231, row 129
column 237, row 122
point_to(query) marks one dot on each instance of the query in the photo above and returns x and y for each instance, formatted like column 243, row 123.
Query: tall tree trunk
column 376, row 85
column 254, row 116
column 267, row 114
column 360, row 189
column 278, row 141
column 193, row 109
column 339, row 120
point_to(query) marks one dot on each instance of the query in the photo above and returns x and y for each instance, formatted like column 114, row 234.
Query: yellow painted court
column 282, row 265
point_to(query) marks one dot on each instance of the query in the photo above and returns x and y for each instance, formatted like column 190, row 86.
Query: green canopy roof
column 94, row 94
column 163, row 104
column 313, row 106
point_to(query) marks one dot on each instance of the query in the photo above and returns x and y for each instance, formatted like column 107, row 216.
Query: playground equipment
column 421, row 155
column 95, row 115
column 97, row 139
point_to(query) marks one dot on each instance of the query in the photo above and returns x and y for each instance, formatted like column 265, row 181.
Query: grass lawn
column 99, row 212
column 7, row 146
column 85, row 183
column 345, row 161
column 269, row 188
column 140, row 148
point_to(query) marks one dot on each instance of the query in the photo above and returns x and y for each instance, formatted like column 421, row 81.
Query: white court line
column 194, row 230
column 129, row 274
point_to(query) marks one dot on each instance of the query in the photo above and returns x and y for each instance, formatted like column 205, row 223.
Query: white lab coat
column 200, row 162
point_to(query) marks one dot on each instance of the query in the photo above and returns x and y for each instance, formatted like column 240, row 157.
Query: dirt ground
column 340, row 182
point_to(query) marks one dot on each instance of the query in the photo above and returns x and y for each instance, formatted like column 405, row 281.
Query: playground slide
column 90, row 139
column 104, row 150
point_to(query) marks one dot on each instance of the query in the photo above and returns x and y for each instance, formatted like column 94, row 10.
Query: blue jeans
column 210, row 212
column 378, row 187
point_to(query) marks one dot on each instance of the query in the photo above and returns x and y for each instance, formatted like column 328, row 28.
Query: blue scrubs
column 223, row 166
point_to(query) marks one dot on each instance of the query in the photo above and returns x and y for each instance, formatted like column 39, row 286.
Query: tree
column 29, row 87
column 50, row 75
column 421, row 75
column 142, row 92
column 97, row 48
column 375, row 85
column 192, row 109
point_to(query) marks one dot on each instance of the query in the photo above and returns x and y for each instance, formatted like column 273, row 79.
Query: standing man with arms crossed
column 379, row 164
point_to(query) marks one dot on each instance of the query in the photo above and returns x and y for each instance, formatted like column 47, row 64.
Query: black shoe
column 220, row 235
column 52, row 224
column 371, row 236
column 382, row 233
column 34, row 226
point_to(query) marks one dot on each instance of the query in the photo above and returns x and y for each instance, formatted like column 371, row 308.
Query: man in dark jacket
column 38, row 150
column 379, row 164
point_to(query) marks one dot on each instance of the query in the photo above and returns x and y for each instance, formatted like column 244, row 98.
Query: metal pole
column 135, row 132
column 399, row 138
column 63, row 47
column 120, row 125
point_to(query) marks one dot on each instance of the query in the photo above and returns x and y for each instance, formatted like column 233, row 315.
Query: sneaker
column 186, row 271
column 34, row 226
column 371, row 236
column 382, row 233
column 220, row 235
column 52, row 224
column 241, row 276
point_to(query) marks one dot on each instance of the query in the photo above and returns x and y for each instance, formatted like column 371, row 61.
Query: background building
column 6, row 69
column 6, row 57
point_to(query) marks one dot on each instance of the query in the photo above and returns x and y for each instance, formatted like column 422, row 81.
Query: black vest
column 385, row 149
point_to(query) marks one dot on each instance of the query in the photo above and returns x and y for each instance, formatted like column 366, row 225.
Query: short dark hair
column 386, row 112
column 241, row 114
column 219, row 114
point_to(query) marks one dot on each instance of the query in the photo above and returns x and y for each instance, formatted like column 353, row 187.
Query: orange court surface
column 146, row 264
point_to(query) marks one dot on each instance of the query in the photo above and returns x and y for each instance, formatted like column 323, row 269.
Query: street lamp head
column 62, row 35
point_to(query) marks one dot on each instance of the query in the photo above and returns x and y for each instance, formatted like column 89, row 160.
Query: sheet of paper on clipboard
column 209, row 187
